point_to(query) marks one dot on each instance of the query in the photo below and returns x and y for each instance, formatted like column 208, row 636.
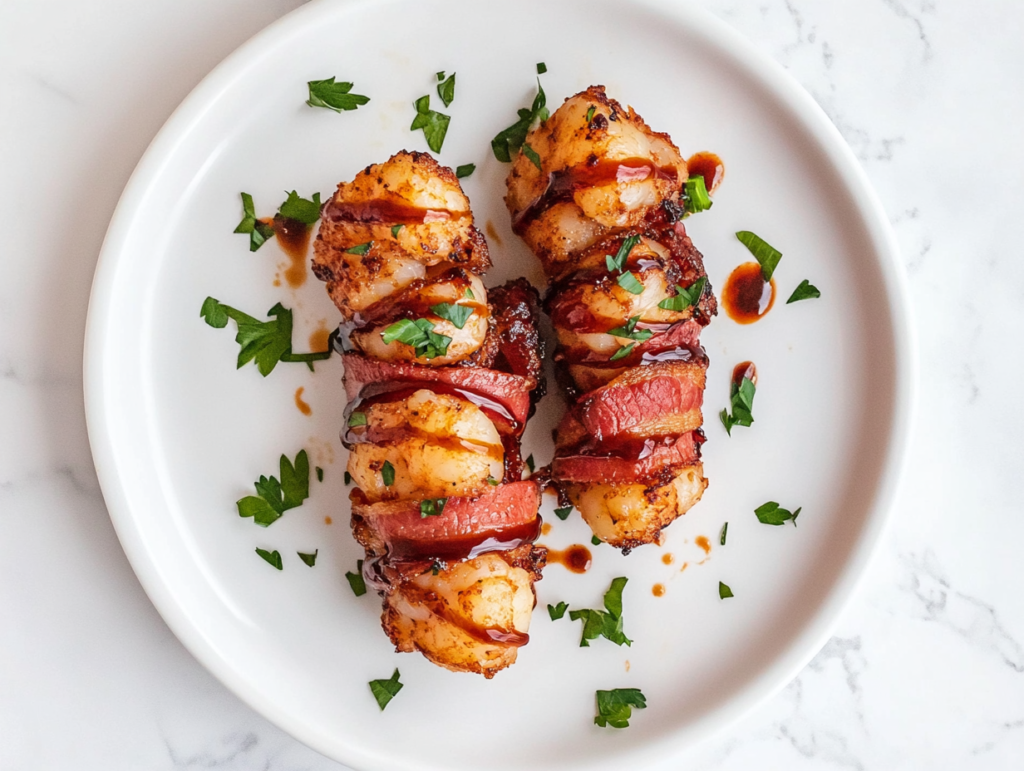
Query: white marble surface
column 926, row 670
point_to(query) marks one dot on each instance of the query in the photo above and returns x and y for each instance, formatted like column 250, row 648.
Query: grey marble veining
column 926, row 668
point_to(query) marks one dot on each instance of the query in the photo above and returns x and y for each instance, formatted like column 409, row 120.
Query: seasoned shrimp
column 438, row 445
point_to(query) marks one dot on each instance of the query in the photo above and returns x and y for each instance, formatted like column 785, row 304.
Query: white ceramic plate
column 178, row 434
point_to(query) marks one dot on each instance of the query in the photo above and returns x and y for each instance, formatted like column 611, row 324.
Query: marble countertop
column 926, row 668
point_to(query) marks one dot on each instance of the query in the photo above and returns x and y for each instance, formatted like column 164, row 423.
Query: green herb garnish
column 766, row 254
column 257, row 231
column 590, row 113
column 595, row 540
column 433, row 123
column 724, row 591
column 541, row 68
column 334, row 96
column 432, row 507
column 309, row 559
column 465, row 170
column 530, row 153
column 348, row 479
column 530, row 464
column 557, row 611
column 456, row 314
column 387, row 473
column 319, row 474
column 805, row 291
column 623, row 352
column 721, row 538
column 305, row 210
column 685, row 298
column 630, row 283
column 272, row 557
column 395, row 229
column 618, row 262
column 630, row 331
column 771, row 513
column 605, row 623
column 492, row 481
column 506, row 143
column 446, row 91
column 385, row 690
column 356, row 580
column 563, row 512
column 420, row 335
column 695, row 195
column 360, row 249
column 742, row 401
column 615, row 707
column 273, row 498
column 357, row 419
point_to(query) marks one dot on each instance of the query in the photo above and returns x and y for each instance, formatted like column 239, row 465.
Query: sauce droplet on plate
column 293, row 237
column 709, row 166
column 575, row 559
column 703, row 542
column 747, row 297
column 658, row 590
column 667, row 558
column 304, row 408
column 319, row 338
column 545, row 528
column 327, row 520
column 745, row 369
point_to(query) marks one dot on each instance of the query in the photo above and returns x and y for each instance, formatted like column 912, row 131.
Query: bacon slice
column 640, row 461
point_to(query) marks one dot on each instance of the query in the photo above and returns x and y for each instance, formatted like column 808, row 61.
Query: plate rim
column 770, row 76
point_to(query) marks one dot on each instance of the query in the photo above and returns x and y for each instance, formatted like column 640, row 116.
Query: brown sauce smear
column 545, row 528
column 709, row 166
column 388, row 212
column 745, row 369
column 293, row 236
column 747, row 297
column 328, row 520
column 658, row 590
column 492, row 232
column 703, row 542
column 319, row 338
column 575, row 559
column 304, row 408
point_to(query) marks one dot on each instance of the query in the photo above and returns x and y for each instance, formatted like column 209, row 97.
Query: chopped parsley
column 541, row 68
column 360, row 249
column 605, row 623
column 766, row 255
column 615, row 707
column 433, row 123
column 272, row 557
column 685, row 298
column 530, row 153
column 595, row 540
column 465, row 170
column 530, row 463
column 695, row 195
column 432, row 507
column 357, row 419
column 506, row 143
column 557, row 611
column 420, row 335
column 630, row 283
column 395, row 229
column 623, row 352
column 334, row 96
column 725, row 530
column 266, row 342
column 446, row 90
column 456, row 314
column 305, row 210
column 629, row 331
column 356, row 581
column 771, row 513
column 742, row 401
column 385, row 690
column 618, row 262
column 805, row 291
column 348, row 479
column 387, row 473
column 309, row 559
column 273, row 498
column 590, row 113
column 257, row 231
column 724, row 592
column 319, row 474
column 492, row 481
column 563, row 512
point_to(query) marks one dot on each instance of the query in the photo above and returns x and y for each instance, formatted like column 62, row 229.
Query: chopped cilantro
column 273, row 498
column 334, row 96
column 605, row 623
column 557, row 611
column 304, row 210
column 507, row 142
column 433, row 123
column 257, row 230
column 615, row 707
column 771, row 513
column 446, row 90
column 420, row 335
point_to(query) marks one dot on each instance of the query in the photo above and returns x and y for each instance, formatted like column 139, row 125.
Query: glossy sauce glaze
column 293, row 237
column 386, row 211
column 709, row 166
column 745, row 369
column 575, row 559
column 747, row 297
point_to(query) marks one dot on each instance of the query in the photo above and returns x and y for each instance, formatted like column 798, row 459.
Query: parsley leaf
column 257, row 231
column 590, row 113
column 724, row 592
column 385, row 690
column 492, row 481
column 530, row 153
column 319, row 474
column 771, row 513
column 685, row 298
column 630, row 331
column 506, row 143
column 806, row 291
column 432, row 507
column 333, row 96
column 272, row 557
column 302, row 209
column 433, row 123
column 356, row 581
column 348, row 479
column 615, row 707
column 309, row 559
column 268, row 342
column 357, row 419
column 420, row 335
column 742, row 400
column 695, row 195
column 456, row 314
column 387, row 473
column 721, row 538
column 563, row 513
column 623, row 352
column 446, row 90
column 360, row 249
column 595, row 540
column 530, row 463
column 618, row 262
column 465, row 170
column 557, row 611
column 541, row 68
column 605, row 623
column 275, row 497
column 395, row 230
column 630, row 283
column 766, row 254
